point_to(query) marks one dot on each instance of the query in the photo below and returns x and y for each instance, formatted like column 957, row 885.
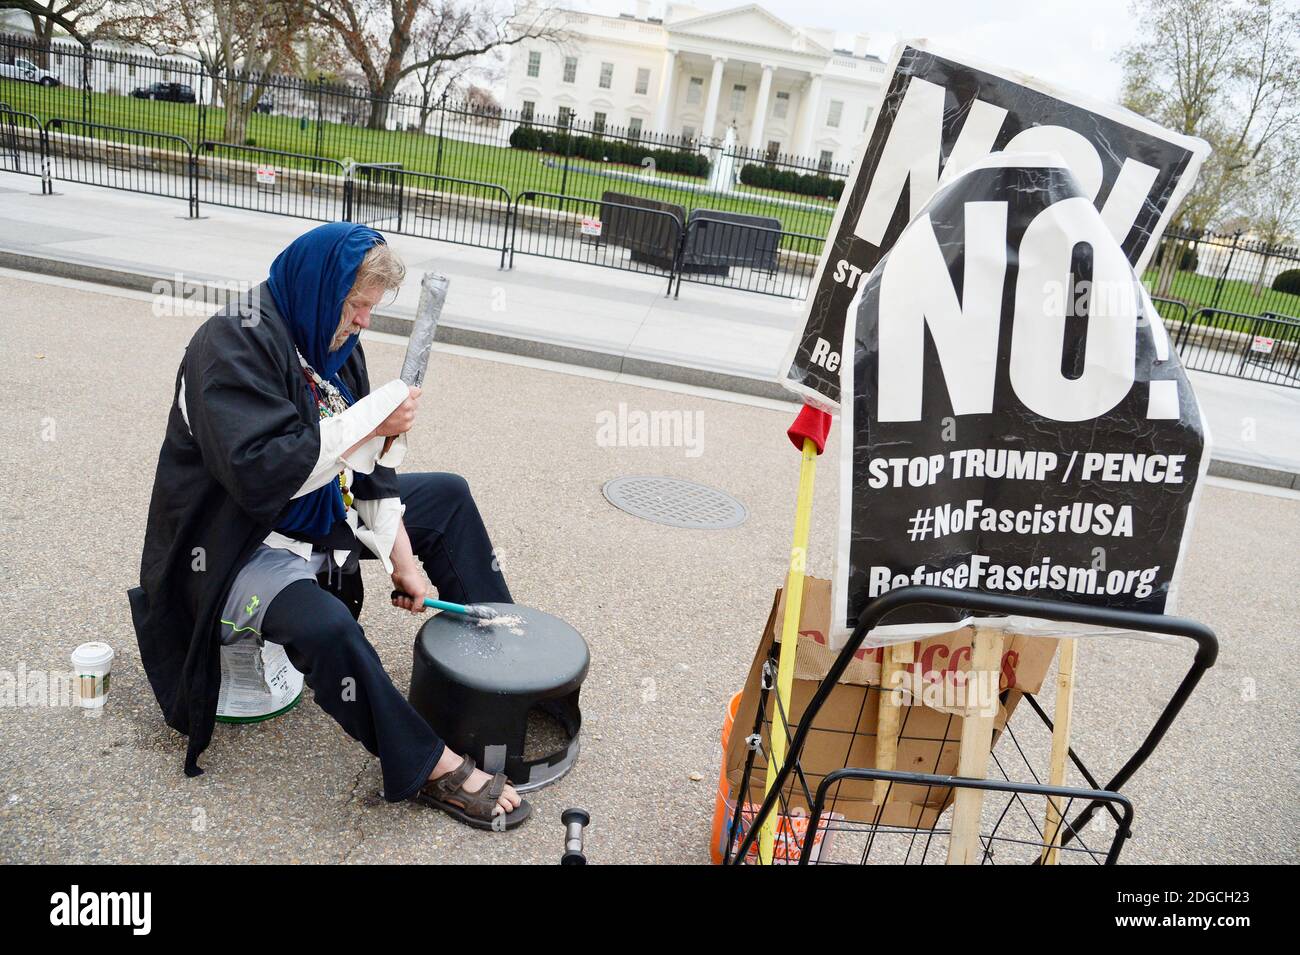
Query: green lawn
column 1198, row 291
column 513, row 169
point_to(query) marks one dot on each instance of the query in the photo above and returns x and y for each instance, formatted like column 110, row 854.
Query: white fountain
column 722, row 164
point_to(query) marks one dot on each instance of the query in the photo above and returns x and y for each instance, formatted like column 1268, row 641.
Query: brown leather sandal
column 475, row 809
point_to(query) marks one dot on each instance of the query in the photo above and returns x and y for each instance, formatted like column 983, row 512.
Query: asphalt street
column 672, row 617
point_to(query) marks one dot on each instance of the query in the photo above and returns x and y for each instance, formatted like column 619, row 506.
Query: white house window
column 834, row 112
column 130, row 70
column 564, row 114
column 526, row 112
column 634, row 127
column 598, row 122
column 570, row 69
column 642, row 81
column 695, row 91
column 738, row 98
column 866, row 120
column 688, row 132
column 781, row 108
column 824, row 163
column 110, row 64
column 534, row 63
column 606, row 75
column 773, row 148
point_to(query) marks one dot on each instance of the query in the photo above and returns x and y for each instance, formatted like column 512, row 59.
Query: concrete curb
column 1254, row 473
column 399, row 323
column 132, row 277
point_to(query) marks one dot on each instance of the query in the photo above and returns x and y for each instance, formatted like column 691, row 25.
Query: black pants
column 330, row 648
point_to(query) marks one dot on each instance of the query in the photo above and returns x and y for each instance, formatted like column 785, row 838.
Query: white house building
column 694, row 73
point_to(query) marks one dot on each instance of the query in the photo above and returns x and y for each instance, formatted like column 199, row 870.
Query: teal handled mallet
column 474, row 611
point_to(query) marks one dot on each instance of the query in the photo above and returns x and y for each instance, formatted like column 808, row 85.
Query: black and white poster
column 1016, row 420
column 939, row 114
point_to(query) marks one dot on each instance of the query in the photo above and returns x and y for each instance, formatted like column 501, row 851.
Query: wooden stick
column 889, row 715
column 976, row 743
column 1060, row 749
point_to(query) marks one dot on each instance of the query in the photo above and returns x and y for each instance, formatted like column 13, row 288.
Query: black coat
column 220, row 487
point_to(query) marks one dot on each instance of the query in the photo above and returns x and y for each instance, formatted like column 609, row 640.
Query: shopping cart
column 814, row 821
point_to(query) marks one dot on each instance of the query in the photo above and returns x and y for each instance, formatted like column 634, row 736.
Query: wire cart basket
column 849, row 814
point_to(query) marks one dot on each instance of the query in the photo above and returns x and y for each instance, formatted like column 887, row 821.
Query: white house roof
column 751, row 21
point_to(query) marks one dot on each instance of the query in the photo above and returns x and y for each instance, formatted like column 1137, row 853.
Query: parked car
column 263, row 106
column 171, row 92
column 21, row 69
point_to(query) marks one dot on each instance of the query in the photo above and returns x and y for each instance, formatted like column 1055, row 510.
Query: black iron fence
column 616, row 231
column 22, row 143
column 1230, row 303
column 514, row 181
column 747, row 256
column 269, row 180
column 517, row 150
column 1259, row 347
column 444, row 208
column 157, row 164
column 1228, row 271
column 611, row 234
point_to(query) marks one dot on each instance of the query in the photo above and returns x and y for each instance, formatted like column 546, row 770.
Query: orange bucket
column 722, row 807
column 790, row 830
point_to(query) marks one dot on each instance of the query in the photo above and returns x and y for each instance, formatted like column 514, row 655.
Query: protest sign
column 941, row 113
column 1015, row 420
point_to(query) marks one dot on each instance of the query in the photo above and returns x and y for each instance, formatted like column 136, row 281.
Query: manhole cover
column 675, row 502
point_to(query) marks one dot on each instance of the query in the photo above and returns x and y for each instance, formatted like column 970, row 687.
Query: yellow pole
column 789, row 639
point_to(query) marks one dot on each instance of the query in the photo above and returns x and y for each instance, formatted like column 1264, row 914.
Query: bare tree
column 1227, row 71
column 436, row 77
column 383, row 37
column 1271, row 209
column 241, row 44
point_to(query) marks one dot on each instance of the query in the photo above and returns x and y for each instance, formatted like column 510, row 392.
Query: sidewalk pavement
column 545, row 308
column 616, row 321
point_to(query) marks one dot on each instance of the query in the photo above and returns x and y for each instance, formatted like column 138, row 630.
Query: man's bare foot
column 509, row 800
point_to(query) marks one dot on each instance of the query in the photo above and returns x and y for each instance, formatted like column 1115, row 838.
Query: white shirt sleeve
column 382, row 518
column 364, row 458
column 342, row 431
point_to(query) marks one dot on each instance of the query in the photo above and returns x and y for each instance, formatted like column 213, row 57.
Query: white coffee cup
column 91, row 663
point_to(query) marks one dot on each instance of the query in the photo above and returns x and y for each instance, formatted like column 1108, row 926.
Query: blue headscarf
column 309, row 282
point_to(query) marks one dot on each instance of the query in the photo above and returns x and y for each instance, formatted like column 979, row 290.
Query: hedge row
column 1288, row 281
column 612, row 150
column 787, row 180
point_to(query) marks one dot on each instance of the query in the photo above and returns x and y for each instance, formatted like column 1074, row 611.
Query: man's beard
column 346, row 331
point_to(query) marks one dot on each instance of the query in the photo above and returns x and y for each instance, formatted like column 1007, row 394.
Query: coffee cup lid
column 93, row 654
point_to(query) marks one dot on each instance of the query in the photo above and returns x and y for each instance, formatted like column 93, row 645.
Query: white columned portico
column 760, row 108
column 715, row 90
column 808, row 118
column 667, row 87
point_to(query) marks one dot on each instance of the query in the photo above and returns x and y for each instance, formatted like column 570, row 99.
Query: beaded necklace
column 330, row 401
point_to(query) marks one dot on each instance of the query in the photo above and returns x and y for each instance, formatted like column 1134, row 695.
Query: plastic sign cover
column 1017, row 420
column 939, row 115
